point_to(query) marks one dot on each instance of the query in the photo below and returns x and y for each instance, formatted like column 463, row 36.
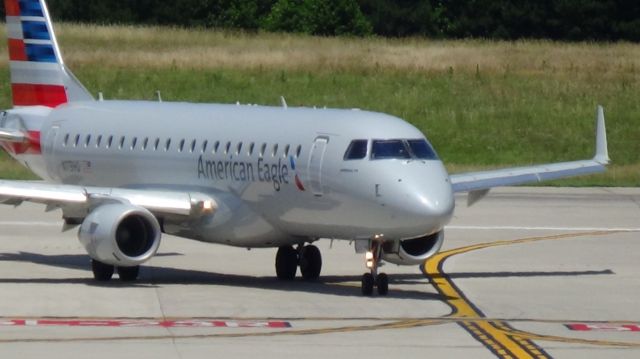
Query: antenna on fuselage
column 100, row 97
column 159, row 95
column 283, row 102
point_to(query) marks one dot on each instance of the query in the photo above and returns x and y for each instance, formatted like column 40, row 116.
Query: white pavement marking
column 526, row 228
column 28, row 223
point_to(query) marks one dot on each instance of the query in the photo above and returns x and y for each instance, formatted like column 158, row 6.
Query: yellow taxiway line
column 497, row 336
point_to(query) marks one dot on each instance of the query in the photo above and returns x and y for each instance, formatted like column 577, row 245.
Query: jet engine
column 412, row 251
column 122, row 235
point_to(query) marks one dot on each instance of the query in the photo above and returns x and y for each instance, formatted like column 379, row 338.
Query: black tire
column 101, row 272
column 128, row 274
column 310, row 263
column 286, row 263
column 367, row 284
column 382, row 282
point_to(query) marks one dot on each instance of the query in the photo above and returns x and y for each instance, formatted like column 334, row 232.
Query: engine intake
column 120, row 234
column 412, row 251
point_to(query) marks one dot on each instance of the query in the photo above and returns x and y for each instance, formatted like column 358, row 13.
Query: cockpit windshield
column 389, row 149
column 421, row 149
column 357, row 150
column 402, row 149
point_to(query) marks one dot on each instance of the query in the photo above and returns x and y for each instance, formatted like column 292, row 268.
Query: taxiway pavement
column 525, row 273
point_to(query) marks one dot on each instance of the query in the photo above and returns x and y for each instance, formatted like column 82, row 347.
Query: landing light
column 207, row 206
column 369, row 258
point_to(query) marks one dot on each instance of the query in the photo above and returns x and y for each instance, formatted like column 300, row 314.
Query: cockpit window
column 421, row 149
column 357, row 150
column 389, row 149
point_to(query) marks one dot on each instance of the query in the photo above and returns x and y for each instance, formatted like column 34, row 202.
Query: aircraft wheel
column 382, row 282
column 310, row 262
column 128, row 274
column 101, row 272
column 367, row 284
column 286, row 263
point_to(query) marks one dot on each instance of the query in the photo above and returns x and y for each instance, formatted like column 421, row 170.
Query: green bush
column 318, row 17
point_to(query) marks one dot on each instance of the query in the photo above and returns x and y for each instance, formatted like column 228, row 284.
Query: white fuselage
column 279, row 175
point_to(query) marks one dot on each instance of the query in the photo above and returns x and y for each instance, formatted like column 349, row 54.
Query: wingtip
column 602, row 151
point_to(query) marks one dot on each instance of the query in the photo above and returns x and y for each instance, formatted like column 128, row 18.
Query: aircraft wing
column 77, row 201
column 479, row 183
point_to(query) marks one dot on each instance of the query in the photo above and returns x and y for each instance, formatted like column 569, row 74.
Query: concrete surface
column 515, row 270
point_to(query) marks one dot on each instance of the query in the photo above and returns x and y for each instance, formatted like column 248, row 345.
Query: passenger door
column 316, row 159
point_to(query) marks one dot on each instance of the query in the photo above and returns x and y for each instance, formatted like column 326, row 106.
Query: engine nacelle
column 412, row 251
column 122, row 235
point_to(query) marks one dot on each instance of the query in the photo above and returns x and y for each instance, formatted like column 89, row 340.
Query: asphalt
column 525, row 273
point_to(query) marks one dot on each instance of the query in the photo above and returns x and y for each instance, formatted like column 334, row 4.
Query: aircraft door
column 316, row 159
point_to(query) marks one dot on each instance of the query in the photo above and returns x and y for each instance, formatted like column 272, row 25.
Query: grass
column 483, row 104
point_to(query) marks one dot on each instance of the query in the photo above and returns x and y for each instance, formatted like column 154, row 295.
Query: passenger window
column 99, row 141
column 181, row 147
column 133, row 143
column 357, row 150
column 110, row 142
column 227, row 148
column 216, row 146
column 239, row 148
column 66, row 140
column 87, row 141
column 285, row 154
column 167, row 145
column 193, row 146
column 121, row 142
column 156, row 144
column 205, row 144
column 77, row 141
column 251, row 148
column 298, row 151
column 263, row 149
column 145, row 143
column 389, row 149
column 275, row 150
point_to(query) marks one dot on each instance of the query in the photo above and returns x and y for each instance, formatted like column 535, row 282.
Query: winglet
column 602, row 152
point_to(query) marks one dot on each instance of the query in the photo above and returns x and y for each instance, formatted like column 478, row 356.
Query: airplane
column 127, row 172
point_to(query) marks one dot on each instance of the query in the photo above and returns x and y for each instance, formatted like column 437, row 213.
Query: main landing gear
column 103, row 272
column 373, row 278
column 308, row 258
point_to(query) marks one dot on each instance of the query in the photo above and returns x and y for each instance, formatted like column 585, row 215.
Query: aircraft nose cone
column 432, row 202
column 436, row 208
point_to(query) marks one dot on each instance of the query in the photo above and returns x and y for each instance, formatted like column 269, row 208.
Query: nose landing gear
column 373, row 278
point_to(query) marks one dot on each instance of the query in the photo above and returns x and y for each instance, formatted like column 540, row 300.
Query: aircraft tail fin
column 38, row 74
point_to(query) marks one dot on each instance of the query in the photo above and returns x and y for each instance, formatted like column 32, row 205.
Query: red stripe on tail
column 34, row 95
column 17, row 51
column 11, row 7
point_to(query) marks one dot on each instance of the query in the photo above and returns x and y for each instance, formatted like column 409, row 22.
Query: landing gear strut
column 103, row 272
column 308, row 258
column 373, row 278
